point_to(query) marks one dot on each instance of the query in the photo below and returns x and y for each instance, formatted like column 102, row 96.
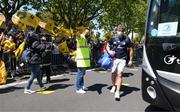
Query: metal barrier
column 20, row 67
column 57, row 59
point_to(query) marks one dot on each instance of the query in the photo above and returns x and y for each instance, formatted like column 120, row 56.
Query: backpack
column 26, row 55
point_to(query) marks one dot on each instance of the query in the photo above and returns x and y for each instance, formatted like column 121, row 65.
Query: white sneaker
column 117, row 96
column 113, row 89
column 84, row 88
column 81, row 91
column 28, row 91
column 43, row 88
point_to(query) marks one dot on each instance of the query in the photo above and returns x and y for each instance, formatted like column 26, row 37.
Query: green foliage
column 132, row 13
column 73, row 13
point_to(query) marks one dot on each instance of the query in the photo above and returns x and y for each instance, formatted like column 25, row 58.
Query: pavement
column 61, row 96
column 22, row 79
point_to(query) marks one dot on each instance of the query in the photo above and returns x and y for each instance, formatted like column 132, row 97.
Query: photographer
column 46, row 56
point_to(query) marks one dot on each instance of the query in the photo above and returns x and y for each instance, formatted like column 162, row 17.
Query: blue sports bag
column 105, row 61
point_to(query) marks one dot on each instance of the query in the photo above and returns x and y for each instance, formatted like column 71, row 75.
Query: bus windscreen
column 164, row 20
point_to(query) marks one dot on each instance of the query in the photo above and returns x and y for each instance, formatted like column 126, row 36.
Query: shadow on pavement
column 59, row 86
column 59, row 80
column 127, row 74
column 97, row 87
column 99, row 69
column 152, row 108
column 61, row 70
column 127, row 90
column 10, row 89
column 9, row 80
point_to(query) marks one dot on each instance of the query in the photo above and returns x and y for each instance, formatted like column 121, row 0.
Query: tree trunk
column 132, row 35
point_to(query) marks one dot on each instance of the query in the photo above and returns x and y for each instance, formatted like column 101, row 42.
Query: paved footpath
column 61, row 96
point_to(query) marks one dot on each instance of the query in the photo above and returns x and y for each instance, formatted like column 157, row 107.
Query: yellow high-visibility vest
column 83, row 54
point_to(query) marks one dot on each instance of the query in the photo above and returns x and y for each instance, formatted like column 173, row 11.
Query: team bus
column 161, row 55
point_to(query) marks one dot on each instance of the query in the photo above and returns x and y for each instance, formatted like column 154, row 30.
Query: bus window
column 169, row 12
column 164, row 11
column 153, row 18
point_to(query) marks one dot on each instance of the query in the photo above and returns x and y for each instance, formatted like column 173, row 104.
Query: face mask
column 120, row 34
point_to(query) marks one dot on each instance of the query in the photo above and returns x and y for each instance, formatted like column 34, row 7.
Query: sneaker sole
column 80, row 93
column 29, row 92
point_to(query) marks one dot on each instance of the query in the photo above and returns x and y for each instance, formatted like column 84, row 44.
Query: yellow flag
column 27, row 18
column 2, row 19
column 67, row 32
column 31, row 20
column 19, row 50
column 16, row 20
column 56, row 31
column 21, row 25
column 42, row 24
column 63, row 48
column 9, row 45
column 49, row 25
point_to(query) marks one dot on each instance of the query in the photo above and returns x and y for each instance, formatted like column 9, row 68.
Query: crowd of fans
column 12, row 38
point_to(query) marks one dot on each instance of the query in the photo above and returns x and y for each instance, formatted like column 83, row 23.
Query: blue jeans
column 80, row 78
column 35, row 73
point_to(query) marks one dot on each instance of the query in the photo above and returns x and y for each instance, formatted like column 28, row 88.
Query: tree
column 73, row 13
column 132, row 13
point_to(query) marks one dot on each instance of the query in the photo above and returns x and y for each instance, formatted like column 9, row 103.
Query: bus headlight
column 152, row 92
column 152, row 82
column 147, row 79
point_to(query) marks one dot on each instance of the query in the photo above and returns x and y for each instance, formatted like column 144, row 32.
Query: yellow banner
column 56, row 31
column 67, row 32
column 49, row 25
column 2, row 19
column 19, row 23
column 63, row 48
column 27, row 18
column 19, row 50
